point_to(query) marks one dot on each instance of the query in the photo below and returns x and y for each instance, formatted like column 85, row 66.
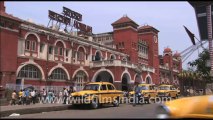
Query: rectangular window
column 61, row 51
column 56, row 50
column 50, row 50
column 27, row 45
column 33, row 46
column 67, row 53
column 41, row 47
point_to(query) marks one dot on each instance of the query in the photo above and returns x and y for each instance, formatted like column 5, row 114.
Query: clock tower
column 150, row 35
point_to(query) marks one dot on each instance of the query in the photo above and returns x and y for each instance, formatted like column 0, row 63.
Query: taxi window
column 110, row 87
column 103, row 87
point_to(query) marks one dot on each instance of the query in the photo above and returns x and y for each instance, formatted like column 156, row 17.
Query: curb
column 34, row 110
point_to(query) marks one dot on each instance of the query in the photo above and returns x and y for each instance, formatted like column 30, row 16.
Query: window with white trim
column 29, row 71
column 58, row 74
column 80, row 80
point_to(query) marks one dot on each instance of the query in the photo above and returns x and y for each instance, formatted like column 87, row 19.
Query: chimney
column 2, row 7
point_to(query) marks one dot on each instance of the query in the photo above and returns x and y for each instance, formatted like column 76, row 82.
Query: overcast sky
column 167, row 17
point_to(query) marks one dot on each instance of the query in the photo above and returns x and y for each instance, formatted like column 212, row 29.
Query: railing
column 120, row 63
column 143, row 55
column 16, row 87
column 164, row 67
column 174, row 59
column 148, row 68
column 176, row 70
column 105, row 63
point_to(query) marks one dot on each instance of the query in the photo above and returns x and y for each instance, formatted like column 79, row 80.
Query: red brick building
column 38, row 55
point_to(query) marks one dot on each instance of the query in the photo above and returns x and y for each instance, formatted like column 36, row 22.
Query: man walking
column 137, row 90
column 65, row 95
column 13, row 101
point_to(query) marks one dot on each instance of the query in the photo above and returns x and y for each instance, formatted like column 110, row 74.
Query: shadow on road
column 88, row 107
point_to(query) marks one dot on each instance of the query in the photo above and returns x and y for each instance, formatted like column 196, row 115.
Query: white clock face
column 155, row 39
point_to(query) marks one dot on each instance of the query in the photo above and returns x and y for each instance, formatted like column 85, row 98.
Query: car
column 188, row 107
column 96, row 94
column 167, row 91
column 178, row 92
column 147, row 91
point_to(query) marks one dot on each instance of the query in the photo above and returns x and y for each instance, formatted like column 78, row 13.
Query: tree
column 200, row 64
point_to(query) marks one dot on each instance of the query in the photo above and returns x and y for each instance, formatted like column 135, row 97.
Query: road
column 106, row 111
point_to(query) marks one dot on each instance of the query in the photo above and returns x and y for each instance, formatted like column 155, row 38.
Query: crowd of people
column 28, row 96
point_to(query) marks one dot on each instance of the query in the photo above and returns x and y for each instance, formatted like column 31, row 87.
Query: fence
column 16, row 87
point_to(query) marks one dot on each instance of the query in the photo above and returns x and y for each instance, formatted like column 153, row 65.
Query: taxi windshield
column 144, row 88
column 164, row 87
column 91, row 87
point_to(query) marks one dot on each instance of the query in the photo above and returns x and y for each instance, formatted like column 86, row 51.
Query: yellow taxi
column 188, row 107
column 167, row 91
column 96, row 94
column 147, row 91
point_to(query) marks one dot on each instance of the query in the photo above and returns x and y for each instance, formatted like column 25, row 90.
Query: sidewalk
column 32, row 108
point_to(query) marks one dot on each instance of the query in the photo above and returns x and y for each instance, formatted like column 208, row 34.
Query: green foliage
column 200, row 64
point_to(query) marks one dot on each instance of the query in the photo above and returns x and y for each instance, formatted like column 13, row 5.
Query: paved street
column 107, row 111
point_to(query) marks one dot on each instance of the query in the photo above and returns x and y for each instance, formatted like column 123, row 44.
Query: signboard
column 59, row 18
column 82, row 27
column 72, row 14
column 72, row 19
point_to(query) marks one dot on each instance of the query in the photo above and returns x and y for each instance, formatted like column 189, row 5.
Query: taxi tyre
column 176, row 96
column 116, row 102
column 76, row 105
column 95, row 103
column 147, row 100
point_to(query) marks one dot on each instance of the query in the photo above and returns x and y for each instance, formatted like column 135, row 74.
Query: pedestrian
column 14, row 95
column 36, row 96
column 71, row 90
column 65, row 95
column 24, row 97
column 44, row 95
column 50, row 96
column 60, row 96
column 20, row 95
column 27, row 96
column 137, row 91
column 32, row 94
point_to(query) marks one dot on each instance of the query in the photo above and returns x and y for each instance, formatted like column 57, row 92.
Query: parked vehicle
column 96, row 94
column 167, row 91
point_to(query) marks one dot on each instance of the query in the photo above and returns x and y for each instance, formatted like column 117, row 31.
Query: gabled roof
column 124, row 19
column 147, row 27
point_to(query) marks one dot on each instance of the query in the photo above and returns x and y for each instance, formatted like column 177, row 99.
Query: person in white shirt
column 65, row 95
column 32, row 94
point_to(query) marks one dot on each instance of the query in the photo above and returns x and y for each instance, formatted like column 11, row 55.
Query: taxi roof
column 165, row 85
column 145, row 84
column 99, row 83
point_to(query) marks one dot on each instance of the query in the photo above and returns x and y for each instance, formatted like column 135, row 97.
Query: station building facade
column 38, row 55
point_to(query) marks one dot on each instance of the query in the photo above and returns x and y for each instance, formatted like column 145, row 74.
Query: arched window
column 59, row 48
column 58, row 74
column 124, row 59
column 81, row 54
column 112, row 57
column 31, row 43
column 148, row 80
column 98, row 56
column 80, row 80
column 29, row 71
